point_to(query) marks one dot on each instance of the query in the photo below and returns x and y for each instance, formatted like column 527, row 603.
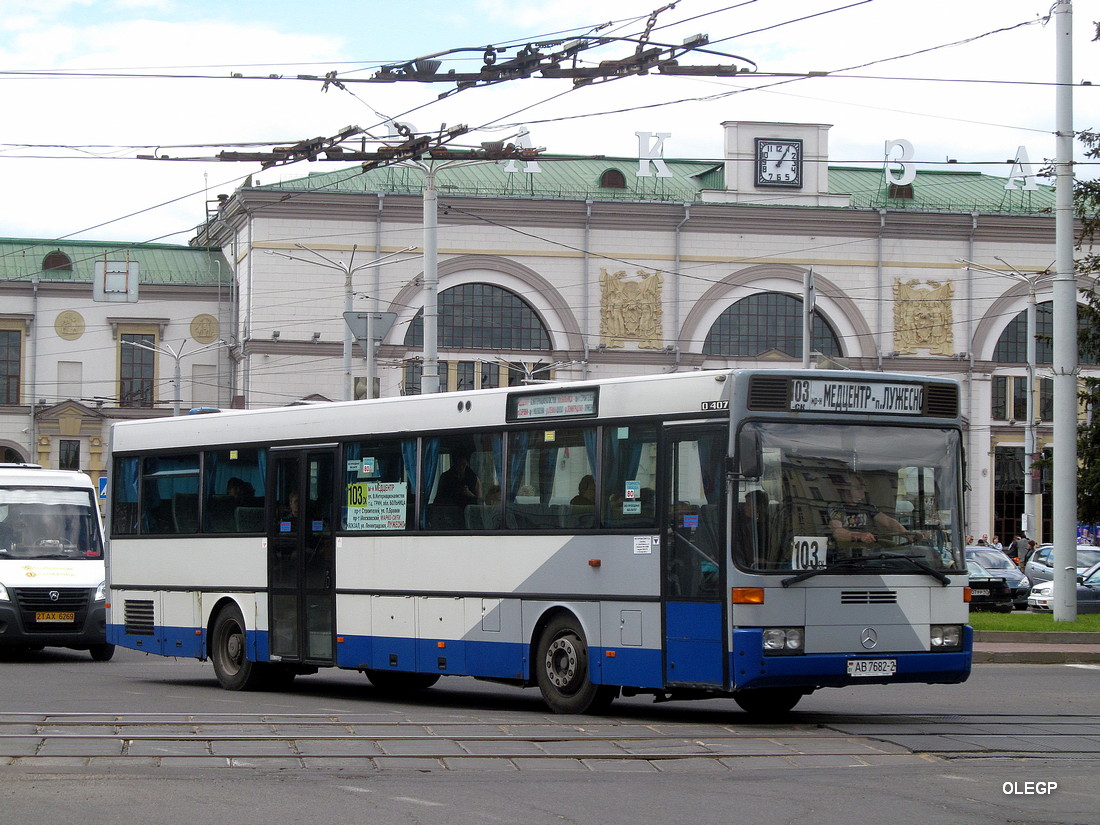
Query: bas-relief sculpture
column 630, row 309
column 923, row 317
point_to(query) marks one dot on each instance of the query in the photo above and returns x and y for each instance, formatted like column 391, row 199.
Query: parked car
column 988, row 591
column 1088, row 593
column 1039, row 567
column 999, row 564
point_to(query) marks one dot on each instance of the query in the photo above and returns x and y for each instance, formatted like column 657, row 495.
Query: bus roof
column 680, row 395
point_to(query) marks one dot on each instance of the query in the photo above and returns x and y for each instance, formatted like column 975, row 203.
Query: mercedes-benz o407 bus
column 747, row 533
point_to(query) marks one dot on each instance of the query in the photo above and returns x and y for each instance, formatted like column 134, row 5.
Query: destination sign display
column 824, row 395
column 553, row 405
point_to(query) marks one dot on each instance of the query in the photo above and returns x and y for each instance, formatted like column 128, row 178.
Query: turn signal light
column 966, row 594
column 747, row 595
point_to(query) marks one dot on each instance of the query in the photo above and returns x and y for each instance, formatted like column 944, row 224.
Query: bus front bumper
column 751, row 669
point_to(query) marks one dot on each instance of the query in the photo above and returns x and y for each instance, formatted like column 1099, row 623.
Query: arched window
column 612, row 179
column 483, row 316
column 57, row 261
column 1012, row 345
column 765, row 322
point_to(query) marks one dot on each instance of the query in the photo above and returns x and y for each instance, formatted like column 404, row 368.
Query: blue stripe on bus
column 752, row 669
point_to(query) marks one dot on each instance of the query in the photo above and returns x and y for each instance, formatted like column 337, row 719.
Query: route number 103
column 808, row 552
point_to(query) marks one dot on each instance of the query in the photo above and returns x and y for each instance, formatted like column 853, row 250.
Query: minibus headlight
column 945, row 636
column 101, row 592
column 783, row 639
column 4, row 597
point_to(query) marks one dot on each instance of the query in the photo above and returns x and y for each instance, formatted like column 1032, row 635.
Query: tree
column 1086, row 205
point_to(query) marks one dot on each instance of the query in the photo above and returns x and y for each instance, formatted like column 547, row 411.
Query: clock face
column 779, row 162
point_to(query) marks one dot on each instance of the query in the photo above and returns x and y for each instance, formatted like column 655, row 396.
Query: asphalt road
column 155, row 740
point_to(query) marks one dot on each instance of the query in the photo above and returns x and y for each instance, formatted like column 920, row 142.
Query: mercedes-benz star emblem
column 868, row 637
column 54, row 595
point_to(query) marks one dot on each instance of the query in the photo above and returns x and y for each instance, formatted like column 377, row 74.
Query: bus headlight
column 946, row 636
column 783, row 639
column 101, row 592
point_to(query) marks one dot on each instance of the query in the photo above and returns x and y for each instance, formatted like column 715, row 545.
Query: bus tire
column 561, row 670
column 768, row 702
column 102, row 653
column 392, row 681
column 228, row 652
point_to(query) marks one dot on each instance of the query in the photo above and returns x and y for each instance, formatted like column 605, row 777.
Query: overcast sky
column 71, row 133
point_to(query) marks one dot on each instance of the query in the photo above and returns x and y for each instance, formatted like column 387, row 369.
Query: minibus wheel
column 102, row 653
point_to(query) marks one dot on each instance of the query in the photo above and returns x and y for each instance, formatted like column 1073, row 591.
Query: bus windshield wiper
column 843, row 565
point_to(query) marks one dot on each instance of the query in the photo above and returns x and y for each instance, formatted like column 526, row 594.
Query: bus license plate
column 54, row 617
column 872, row 667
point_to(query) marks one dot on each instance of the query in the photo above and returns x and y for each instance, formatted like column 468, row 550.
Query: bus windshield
column 851, row 498
column 48, row 523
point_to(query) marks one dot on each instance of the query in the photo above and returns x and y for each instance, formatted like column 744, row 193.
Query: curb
column 1035, row 656
column 1025, row 637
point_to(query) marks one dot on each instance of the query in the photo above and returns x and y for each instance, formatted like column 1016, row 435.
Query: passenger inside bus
column 586, row 493
column 458, row 486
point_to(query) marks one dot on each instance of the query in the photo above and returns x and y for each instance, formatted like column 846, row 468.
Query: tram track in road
column 305, row 741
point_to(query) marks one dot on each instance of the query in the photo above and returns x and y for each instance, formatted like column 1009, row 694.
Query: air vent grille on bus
column 768, row 393
column 943, row 400
column 139, row 617
column 868, row 597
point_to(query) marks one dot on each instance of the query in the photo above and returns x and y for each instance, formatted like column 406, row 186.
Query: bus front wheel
column 228, row 653
column 561, row 670
column 767, row 702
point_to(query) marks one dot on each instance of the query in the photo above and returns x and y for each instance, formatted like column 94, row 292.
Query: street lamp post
column 348, row 269
column 1032, row 526
column 429, row 380
column 177, row 356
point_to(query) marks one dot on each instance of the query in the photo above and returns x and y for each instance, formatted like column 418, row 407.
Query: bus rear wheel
column 561, row 670
column 767, row 702
column 228, row 653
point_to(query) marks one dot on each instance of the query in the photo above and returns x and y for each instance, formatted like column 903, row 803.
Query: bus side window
column 378, row 489
column 459, row 472
column 629, row 475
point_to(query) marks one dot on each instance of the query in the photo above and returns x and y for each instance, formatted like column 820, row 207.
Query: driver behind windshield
column 856, row 519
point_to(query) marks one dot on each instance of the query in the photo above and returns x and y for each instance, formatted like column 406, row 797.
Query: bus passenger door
column 301, row 554
column 694, row 562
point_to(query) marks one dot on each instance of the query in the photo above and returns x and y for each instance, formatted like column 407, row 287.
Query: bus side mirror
column 750, row 454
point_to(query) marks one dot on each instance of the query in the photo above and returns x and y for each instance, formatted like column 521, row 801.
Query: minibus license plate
column 54, row 617
column 872, row 667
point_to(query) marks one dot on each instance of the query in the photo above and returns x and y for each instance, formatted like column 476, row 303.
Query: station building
column 571, row 268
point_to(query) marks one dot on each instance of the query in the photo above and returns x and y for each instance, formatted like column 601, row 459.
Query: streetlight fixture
column 348, row 269
column 490, row 153
column 177, row 355
column 1032, row 525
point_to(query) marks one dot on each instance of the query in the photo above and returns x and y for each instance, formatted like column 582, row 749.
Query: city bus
column 53, row 589
column 686, row 536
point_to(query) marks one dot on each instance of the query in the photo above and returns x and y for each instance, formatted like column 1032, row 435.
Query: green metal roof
column 940, row 191
column 22, row 259
column 578, row 178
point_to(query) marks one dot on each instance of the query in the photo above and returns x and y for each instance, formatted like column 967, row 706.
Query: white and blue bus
column 757, row 534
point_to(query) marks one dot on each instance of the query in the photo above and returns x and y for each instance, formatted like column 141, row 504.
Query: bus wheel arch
column 561, row 663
